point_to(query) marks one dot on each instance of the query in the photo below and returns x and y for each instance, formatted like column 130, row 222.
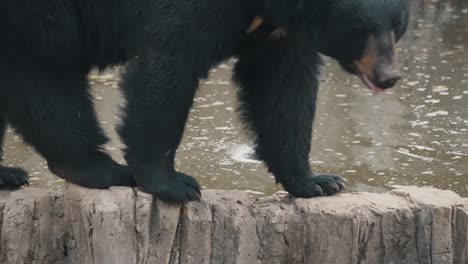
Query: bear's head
column 361, row 35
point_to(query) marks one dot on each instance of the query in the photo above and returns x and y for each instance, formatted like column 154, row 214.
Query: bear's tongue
column 375, row 89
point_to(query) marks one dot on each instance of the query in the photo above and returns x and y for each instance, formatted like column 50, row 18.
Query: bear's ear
column 401, row 24
column 281, row 13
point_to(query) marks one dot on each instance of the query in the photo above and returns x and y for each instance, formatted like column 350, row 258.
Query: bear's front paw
column 11, row 177
column 176, row 188
column 313, row 186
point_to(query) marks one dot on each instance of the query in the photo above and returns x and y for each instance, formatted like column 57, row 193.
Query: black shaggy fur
column 48, row 47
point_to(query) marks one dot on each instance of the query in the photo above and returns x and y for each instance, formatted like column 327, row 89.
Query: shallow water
column 414, row 135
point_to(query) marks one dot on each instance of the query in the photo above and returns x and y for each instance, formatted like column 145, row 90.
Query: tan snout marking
column 366, row 64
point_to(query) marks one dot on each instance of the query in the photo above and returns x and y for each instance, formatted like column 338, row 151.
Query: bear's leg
column 159, row 93
column 278, row 91
column 51, row 108
column 10, row 177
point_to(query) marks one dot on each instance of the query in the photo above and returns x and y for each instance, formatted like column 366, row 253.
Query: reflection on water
column 414, row 135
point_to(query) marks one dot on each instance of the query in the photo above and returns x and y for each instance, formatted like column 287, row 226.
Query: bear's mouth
column 368, row 81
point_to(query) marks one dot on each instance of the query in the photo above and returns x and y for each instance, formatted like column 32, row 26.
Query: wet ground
column 414, row 135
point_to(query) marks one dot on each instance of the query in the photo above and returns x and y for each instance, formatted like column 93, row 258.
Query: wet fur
column 49, row 47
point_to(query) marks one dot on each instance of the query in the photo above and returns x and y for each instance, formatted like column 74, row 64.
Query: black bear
column 48, row 48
